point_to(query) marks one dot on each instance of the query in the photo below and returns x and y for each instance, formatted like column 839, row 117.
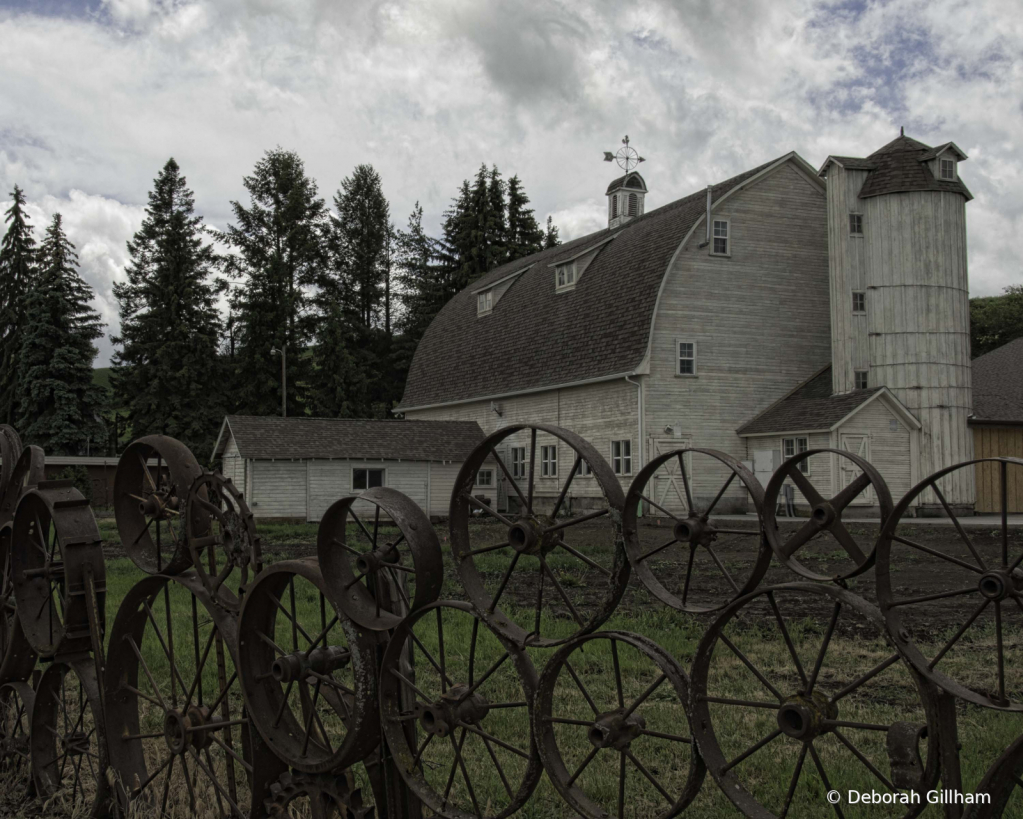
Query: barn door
column 666, row 486
column 857, row 443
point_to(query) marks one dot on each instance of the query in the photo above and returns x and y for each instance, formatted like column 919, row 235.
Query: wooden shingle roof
column 535, row 339
column 271, row 437
column 998, row 386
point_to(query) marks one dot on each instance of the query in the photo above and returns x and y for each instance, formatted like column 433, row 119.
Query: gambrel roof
column 266, row 437
column 535, row 339
column 901, row 167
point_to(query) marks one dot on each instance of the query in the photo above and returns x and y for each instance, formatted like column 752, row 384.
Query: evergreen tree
column 280, row 246
column 551, row 238
column 17, row 269
column 454, row 251
column 168, row 375
column 425, row 285
column 59, row 406
column 524, row 235
column 486, row 215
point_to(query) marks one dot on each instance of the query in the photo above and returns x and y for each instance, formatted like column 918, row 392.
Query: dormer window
column 948, row 169
column 721, row 247
column 484, row 302
column 565, row 276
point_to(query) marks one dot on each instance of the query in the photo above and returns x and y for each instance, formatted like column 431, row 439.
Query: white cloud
column 92, row 106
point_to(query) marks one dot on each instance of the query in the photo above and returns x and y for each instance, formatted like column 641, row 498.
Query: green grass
column 892, row 696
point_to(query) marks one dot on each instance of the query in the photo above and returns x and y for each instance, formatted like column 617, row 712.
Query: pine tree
column 168, row 374
column 524, row 234
column 425, row 285
column 59, row 406
column 454, row 251
column 550, row 238
column 280, row 244
column 17, row 269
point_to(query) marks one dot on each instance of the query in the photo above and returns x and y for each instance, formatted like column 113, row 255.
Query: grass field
column 496, row 770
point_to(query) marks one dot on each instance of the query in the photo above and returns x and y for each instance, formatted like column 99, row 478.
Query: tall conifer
column 59, row 406
column 524, row 235
column 17, row 268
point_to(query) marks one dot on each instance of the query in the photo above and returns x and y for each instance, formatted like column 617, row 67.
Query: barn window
column 633, row 204
column 518, row 461
column 791, row 447
column 855, row 224
column 687, row 358
column 485, row 477
column 583, row 470
column 859, row 301
column 565, row 276
column 861, row 379
column 367, row 478
column 549, row 461
column 621, row 457
column 485, row 302
column 721, row 247
column 948, row 169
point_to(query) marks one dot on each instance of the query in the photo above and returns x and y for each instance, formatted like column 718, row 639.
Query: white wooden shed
column 295, row 468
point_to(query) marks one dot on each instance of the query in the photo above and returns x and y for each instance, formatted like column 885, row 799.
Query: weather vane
column 627, row 157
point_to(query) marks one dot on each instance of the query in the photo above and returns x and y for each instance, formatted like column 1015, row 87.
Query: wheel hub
column 695, row 531
column 454, row 706
column 297, row 665
column 614, row 730
column 180, row 729
column 803, row 717
column 529, row 536
column 378, row 559
column 156, row 504
column 76, row 743
column 999, row 585
column 823, row 514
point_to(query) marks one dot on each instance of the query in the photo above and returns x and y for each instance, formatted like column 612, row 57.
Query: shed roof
column 535, row 339
column 264, row 437
column 810, row 406
column 998, row 385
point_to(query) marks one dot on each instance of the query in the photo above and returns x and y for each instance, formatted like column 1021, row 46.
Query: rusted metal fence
column 342, row 682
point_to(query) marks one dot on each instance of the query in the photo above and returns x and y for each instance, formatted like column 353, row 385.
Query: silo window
column 948, row 169
column 855, row 224
column 633, row 201
column 861, row 379
column 859, row 302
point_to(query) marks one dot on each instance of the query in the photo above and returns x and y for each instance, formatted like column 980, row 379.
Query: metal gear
column 318, row 796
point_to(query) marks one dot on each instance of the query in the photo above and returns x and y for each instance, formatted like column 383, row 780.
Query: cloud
column 98, row 94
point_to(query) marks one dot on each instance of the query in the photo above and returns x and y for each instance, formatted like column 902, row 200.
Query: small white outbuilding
column 295, row 468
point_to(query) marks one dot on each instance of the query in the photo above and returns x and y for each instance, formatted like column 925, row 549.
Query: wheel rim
column 805, row 719
column 590, row 742
column 357, row 553
column 307, row 671
column 683, row 566
column 16, row 700
column 825, row 531
column 979, row 579
column 467, row 706
column 536, row 552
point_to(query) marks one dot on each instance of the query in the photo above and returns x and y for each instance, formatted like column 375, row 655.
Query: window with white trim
column 859, row 299
column 565, row 275
column 720, row 247
column 948, row 168
column 367, row 478
column 621, row 457
column 583, row 470
column 484, row 302
column 686, row 358
column 791, row 447
column 860, row 377
column 855, row 224
column 518, row 462
column 485, row 477
column 549, row 461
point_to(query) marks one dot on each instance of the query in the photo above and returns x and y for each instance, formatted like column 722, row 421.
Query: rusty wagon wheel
column 151, row 486
column 448, row 708
column 308, row 672
column 379, row 536
column 977, row 579
column 227, row 539
column 55, row 543
column 178, row 735
column 532, row 546
column 17, row 657
column 594, row 726
column 28, row 472
column 682, row 567
column 808, row 708
column 16, row 700
column 1003, row 784
column 316, row 796
column 824, row 531
column 68, row 748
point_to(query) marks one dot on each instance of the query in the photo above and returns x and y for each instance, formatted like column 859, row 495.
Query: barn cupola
column 625, row 194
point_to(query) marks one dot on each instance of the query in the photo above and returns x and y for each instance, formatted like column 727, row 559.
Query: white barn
column 295, row 468
column 786, row 308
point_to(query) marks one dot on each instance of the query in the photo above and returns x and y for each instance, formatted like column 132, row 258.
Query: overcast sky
column 95, row 95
